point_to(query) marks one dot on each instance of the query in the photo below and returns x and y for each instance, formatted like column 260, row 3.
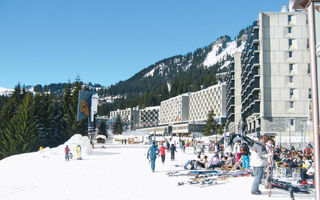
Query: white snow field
column 116, row 173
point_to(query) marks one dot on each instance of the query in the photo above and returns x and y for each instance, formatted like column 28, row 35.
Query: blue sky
column 102, row 41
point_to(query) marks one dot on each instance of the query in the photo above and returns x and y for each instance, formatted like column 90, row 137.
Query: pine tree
column 102, row 129
column 68, row 117
column 220, row 130
column 117, row 127
column 58, row 130
column 211, row 124
column 8, row 111
column 207, row 81
column 21, row 133
column 165, row 92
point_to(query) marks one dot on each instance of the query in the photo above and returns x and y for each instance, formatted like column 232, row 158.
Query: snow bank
column 75, row 140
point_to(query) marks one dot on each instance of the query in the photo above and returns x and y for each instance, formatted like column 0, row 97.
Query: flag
column 84, row 104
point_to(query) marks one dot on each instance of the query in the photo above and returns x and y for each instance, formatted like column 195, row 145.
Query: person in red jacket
column 163, row 153
column 67, row 151
column 308, row 152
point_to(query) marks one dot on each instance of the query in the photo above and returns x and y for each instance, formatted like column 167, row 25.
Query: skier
column 259, row 160
column 163, row 153
column 67, row 151
column 152, row 154
column 173, row 150
column 78, row 149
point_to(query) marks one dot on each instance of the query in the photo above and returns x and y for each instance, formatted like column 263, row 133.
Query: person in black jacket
column 173, row 150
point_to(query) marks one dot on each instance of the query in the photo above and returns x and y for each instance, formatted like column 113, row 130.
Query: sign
column 84, row 104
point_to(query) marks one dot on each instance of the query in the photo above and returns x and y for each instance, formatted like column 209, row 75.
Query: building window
column 291, row 122
column 290, row 79
column 309, row 93
column 289, row 18
column 290, row 67
column 308, row 44
column 309, row 69
column 290, row 54
column 290, row 42
column 291, row 92
column 289, row 29
column 291, row 104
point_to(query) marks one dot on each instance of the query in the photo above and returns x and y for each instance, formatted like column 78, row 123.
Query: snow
column 5, row 91
column 213, row 58
column 116, row 172
column 150, row 74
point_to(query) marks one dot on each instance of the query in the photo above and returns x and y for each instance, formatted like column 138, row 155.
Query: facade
column 149, row 117
column 129, row 116
column 233, row 105
column 174, row 110
column 275, row 76
column 211, row 98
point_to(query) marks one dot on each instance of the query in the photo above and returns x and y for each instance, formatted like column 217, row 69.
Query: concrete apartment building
column 149, row 117
column 233, row 97
column 129, row 116
column 174, row 110
column 275, row 77
column 211, row 98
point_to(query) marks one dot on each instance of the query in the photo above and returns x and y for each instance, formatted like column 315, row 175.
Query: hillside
column 210, row 59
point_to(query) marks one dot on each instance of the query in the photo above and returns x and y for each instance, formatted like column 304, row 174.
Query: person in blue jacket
column 153, row 152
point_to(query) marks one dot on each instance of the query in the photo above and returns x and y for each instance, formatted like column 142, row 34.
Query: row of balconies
column 246, row 67
column 230, row 94
column 249, row 110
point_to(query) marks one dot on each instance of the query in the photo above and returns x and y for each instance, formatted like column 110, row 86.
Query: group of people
column 69, row 155
column 154, row 152
column 261, row 156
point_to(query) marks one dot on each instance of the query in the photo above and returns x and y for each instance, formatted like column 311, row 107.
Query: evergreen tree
column 102, row 129
column 8, row 111
column 68, row 117
column 207, row 81
column 220, row 130
column 211, row 124
column 21, row 133
column 57, row 134
column 117, row 127
column 165, row 92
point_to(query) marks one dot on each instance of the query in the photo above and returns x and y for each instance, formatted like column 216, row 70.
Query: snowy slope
column 209, row 56
column 116, row 173
column 213, row 57
column 5, row 91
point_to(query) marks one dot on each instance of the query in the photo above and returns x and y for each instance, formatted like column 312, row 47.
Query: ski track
column 117, row 173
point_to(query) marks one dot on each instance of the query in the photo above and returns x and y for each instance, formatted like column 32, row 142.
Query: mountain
column 211, row 59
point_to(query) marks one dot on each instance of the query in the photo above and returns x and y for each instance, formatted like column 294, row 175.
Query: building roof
column 301, row 4
column 101, row 136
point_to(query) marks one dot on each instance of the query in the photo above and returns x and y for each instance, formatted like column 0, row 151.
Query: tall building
column 174, row 110
column 275, row 76
column 149, row 117
column 233, row 97
column 129, row 116
column 211, row 98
